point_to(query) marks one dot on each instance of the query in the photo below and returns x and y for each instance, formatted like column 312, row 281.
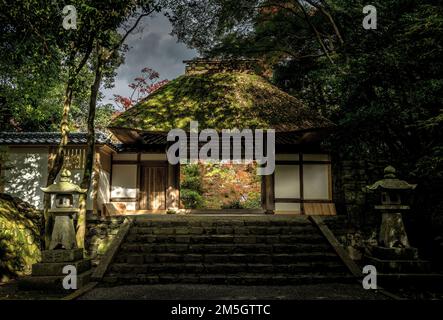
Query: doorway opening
column 220, row 186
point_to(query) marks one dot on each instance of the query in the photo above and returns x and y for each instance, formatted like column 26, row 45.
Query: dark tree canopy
column 383, row 87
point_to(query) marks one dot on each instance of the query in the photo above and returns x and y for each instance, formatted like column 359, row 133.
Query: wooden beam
column 298, row 200
column 297, row 162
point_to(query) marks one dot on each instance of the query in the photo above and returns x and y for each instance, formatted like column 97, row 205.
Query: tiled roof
column 283, row 138
column 80, row 138
column 49, row 138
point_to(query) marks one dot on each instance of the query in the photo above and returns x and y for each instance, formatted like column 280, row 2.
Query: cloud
column 153, row 47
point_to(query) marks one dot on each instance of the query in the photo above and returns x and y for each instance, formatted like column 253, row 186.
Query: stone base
column 399, row 266
column 427, row 281
column 62, row 255
column 48, row 274
column 56, row 268
column 395, row 253
column 52, row 283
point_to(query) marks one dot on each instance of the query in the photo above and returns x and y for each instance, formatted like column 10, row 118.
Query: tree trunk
column 90, row 152
column 56, row 162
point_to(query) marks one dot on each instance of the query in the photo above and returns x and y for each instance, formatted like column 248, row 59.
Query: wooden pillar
column 173, row 187
column 268, row 194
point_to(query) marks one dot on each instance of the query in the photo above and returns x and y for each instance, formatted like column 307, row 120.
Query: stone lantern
column 393, row 253
column 63, row 252
column 63, row 233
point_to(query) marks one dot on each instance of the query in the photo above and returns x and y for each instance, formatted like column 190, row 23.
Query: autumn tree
column 142, row 86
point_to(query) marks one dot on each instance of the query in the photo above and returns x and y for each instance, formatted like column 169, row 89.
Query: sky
column 152, row 47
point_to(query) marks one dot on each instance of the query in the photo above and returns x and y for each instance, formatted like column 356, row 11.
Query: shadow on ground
column 329, row 291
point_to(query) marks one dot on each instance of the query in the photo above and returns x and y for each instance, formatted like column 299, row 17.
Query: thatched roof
column 223, row 100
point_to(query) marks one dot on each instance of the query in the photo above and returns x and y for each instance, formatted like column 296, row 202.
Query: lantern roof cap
column 64, row 186
column 390, row 182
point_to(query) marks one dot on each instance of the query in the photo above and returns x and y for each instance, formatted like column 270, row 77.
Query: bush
column 191, row 187
column 20, row 229
column 234, row 204
column 253, row 201
column 191, row 170
column 191, row 199
column 192, row 183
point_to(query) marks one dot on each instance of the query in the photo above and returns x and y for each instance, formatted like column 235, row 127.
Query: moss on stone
column 219, row 101
column 20, row 225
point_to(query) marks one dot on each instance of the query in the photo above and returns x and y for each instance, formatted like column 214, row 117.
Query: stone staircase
column 256, row 250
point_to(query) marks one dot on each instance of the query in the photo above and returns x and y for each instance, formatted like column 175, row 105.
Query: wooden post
column 173, row 187
column 269, row 195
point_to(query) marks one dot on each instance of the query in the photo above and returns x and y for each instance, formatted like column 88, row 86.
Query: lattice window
column 75, row 158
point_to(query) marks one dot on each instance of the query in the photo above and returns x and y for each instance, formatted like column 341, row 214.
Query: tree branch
column 329, row 16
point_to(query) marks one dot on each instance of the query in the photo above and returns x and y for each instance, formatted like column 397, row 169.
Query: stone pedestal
column 48, row 274
column 63, row 233
column 392, row 230
column 398, row 260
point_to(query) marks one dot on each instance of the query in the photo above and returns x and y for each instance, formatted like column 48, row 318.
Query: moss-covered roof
column 221, row 101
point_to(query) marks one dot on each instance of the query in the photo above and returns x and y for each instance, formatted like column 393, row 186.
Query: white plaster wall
column 124, row 181
column 316, row 181
column 103, row 194
column 28, row 172
column 287, row 181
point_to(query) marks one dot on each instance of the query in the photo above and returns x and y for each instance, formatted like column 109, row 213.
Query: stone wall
column 356, row 226
column 349, row 177
column 100, row 233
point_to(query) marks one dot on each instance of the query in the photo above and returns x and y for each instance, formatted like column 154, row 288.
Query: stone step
column 242, row 230
column 230, row 278
column 229, row 248
column 238, row 257
column 52, row 283
column 231, row 221
column 56, row 268
column 211, row 267
column 225, row 238
column 225, row 250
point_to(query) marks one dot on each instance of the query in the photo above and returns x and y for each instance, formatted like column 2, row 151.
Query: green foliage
column 191, row 187
column 193, row 183
column 219, row 101
column 39, row 58
column 234, row 204
column 383, row 87
column 216, row 186
column 191, row 199
column 191, row 170
column 252, row 201
column 20, row 226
